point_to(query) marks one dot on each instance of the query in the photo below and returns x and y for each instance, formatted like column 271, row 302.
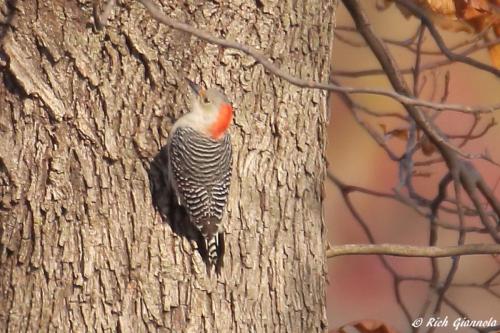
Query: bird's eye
column 205, row 100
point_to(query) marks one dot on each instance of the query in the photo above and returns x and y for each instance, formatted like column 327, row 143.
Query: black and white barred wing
column 201, row 170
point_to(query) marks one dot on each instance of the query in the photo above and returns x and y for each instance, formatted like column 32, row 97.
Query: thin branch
column 402, row 43
column 424, row 67
column 468, row 176
column 346, row 40
column 483, row 156
column 471, row 42
column 345, row 190
column 433, row 234
column 441, row 194
column 411, row 251
column 492, row 278
column 157, row 14
column 408, row 43
column 353, row 107
column 379, row 114
column 446, row 91
column 420, row 13
column 416, row 69
column 461, row 240
column 455, row 284
column 371, row 239
column 470, row 180
column 395, row 77
column 403, row 200
column 490, row 197
column 471, row 136
column 464, row 315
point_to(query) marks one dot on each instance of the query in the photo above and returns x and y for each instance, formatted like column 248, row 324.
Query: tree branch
column 411, row 251
column 347, row 189
column 468, row 176
column 157, row 14
column 424, row 67
column 419, row 12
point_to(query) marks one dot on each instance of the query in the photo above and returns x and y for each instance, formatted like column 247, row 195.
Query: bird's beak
column 194, row 87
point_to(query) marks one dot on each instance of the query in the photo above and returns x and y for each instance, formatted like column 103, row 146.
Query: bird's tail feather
column 215, row 251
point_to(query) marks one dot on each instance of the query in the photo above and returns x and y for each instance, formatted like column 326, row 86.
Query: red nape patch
column 222, row 122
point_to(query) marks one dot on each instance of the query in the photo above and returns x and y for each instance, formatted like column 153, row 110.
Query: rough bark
column 83, row 114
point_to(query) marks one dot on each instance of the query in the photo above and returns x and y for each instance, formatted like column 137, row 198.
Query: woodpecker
column 199, row 167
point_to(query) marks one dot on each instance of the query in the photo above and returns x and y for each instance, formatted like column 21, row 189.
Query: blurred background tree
column 367, row 136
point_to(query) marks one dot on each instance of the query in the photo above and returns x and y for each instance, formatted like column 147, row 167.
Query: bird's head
column 212, row 109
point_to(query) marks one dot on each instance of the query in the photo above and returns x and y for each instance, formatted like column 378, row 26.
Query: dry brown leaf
column 444, row 14
column 474, row 9
column 496, row 27
column 427, row 146
column 495, row 55
column 464, row 15
column 451, row 23
column 421, row 174
column 459, row 15
column 442, row 7
column 373, row 326
column 478, row 13
column 400, row 133
column 495, row 49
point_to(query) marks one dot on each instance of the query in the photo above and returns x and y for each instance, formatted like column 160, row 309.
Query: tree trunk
column 84, row 113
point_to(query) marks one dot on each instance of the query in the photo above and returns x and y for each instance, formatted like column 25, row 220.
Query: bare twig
column 408, row 43
column 460, row 171
column 346, row 40
column 446, row 90
column 488, row 194
column 403, row 200
column 450, row 154
column 420, row 13
column 416, row 69
column 433, row 235
column 353, row 107
column 470, row 135
column 424, row 67
column 461, row 240
column 441, row 194
column 345, row 191
column 492, row 278
column 157, row 14
column 412, row 251
column 470, row 180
